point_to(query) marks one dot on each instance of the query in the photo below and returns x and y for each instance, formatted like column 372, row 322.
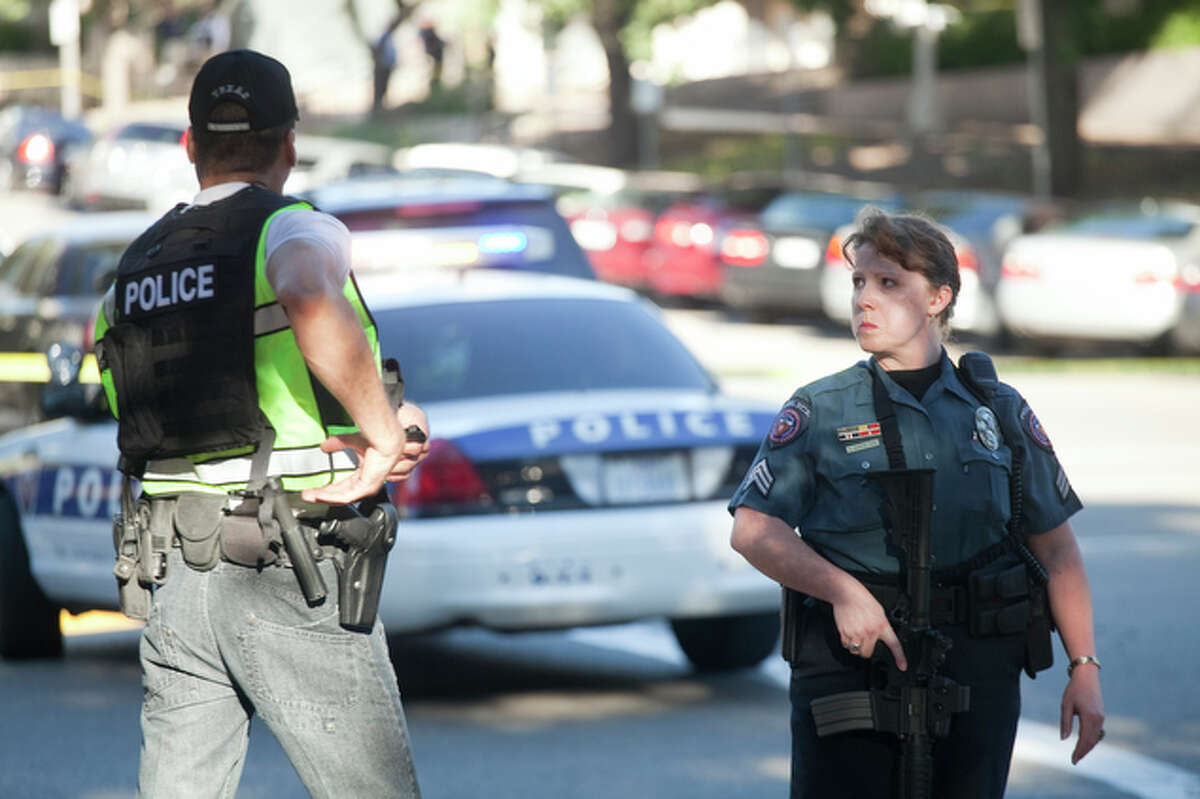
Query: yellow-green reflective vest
column 299, row 409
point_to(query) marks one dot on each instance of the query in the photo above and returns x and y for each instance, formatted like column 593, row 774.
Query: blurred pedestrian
column 435, row 49
column 241, row 362
column 383, row 59
column 811, row 514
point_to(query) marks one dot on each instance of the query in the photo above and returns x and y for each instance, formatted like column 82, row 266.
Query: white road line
column 1037, row 743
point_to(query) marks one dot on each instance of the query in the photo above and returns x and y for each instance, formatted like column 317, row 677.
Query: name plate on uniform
column 646, row 478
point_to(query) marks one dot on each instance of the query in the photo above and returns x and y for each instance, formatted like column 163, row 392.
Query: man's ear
column 289, row 148
column 189, row 144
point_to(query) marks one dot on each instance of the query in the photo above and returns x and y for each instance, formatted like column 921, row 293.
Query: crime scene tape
column 31, row 367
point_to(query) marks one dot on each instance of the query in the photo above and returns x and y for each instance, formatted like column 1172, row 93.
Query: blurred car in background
column 774, row 264
column 611, row 212
column 130, row 166
column 980, row 225
column 458, row 221
column 144, row 165
column 36, row 145
column 1117, row 272
column 684, row 259
column 50, row 286
column 497, row 160
column 579, row 467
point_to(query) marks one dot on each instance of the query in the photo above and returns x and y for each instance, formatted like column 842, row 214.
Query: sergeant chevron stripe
column 762, row 478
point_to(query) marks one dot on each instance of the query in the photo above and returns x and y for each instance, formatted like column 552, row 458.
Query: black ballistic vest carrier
column 181, row 345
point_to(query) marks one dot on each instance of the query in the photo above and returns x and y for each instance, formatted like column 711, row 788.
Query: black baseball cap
column 257, row 82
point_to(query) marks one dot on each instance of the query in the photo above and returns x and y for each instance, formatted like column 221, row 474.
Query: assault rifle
column 916, row 704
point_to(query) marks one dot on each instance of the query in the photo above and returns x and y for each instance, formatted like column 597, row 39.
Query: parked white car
column 1126, row 272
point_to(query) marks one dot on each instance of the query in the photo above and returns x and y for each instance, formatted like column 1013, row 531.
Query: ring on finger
column 854, row 646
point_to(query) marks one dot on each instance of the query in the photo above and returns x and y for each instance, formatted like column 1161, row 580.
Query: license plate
column 646, row 478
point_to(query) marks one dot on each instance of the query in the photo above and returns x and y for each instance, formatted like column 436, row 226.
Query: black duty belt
column 948, row 604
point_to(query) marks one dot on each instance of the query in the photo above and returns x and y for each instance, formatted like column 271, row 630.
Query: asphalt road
column 616, row 712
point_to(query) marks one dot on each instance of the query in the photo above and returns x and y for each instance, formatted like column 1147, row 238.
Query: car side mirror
column 63, row 394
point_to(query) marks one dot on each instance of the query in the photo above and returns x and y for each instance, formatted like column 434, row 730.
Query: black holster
column 794, row 619
column 363, row 543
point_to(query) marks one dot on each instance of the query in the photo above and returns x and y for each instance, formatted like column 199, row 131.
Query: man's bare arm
column 306, row 280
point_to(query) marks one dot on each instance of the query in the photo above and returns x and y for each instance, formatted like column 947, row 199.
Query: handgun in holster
column 363, row 536
column 142, row 539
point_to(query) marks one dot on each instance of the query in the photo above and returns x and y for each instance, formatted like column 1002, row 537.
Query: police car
column 580, row 463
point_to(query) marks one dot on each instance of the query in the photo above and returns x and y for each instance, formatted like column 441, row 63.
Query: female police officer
column 997, row 487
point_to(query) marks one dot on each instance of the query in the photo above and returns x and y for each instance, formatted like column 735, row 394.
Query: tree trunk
column 1061, row 85
column 609, row 17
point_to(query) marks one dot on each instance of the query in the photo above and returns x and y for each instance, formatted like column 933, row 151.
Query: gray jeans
column 224, row 644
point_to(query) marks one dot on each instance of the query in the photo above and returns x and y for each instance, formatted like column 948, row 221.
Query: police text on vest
column 170, row 288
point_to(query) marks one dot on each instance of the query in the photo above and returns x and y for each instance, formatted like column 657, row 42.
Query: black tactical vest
column 181, row 343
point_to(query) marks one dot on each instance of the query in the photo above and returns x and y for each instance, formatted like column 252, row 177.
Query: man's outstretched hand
column 376, row 465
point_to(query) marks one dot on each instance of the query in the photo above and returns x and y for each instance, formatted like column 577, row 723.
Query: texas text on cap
column 257, row 82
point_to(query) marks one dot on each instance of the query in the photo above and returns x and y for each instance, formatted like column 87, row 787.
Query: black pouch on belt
column 243, row 542
column 197, row 523
column 999, row 600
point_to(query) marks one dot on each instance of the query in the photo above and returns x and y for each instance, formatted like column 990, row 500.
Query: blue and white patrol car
column 580, row 463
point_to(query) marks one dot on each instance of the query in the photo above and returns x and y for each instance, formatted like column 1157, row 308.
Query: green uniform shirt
column 810, row 469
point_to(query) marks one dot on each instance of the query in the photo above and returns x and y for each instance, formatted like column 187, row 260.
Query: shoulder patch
column 791, row 422
column 1034, row 429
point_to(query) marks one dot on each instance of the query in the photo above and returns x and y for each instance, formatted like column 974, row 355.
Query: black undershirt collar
column 917, row 381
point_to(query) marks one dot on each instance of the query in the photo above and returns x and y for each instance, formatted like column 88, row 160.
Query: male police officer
column 242, row 363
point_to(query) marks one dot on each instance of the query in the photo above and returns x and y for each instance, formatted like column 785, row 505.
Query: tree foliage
column 623, row 27
column 986, row 33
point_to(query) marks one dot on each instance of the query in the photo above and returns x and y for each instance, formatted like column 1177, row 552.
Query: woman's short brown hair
column 913, row 241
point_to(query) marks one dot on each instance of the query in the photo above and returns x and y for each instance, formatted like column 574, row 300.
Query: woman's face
column 893, row 313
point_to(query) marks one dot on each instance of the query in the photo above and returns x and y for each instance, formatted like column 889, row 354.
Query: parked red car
column 611, row 212
column 685, row 259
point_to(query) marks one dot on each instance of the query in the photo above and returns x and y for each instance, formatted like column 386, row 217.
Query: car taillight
column 701, row 234
column 1189, row 278
column 744, row 247
column 663, row 229
column 833, row 253
column 445, row 482
column 36, row 149
column 967, row 258
column 1015, row 268
column 89, row 334
column 183, row 138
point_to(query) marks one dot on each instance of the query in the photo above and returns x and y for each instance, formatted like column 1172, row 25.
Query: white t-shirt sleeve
column 317, row 228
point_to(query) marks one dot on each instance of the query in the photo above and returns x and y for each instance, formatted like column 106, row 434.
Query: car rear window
column 526, row 236
column 492, row 348
column 86, row 270
column 161, row 134
column 1130, row 224
column 824, row 211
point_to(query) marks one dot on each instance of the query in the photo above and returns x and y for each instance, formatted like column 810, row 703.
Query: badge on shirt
column 987, row 429
column 1034, row 428
column 790, row 422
